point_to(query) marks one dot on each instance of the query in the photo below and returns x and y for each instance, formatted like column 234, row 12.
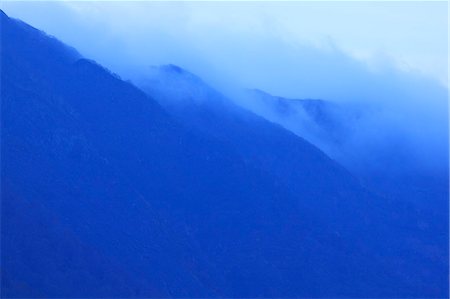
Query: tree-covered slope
column 105, row 194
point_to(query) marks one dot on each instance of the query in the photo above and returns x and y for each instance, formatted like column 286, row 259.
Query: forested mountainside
column 107, row 193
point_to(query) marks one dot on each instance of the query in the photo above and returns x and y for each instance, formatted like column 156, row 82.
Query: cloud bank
column 295, row 50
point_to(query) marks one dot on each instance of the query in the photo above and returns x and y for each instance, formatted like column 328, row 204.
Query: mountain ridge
column 102, row 187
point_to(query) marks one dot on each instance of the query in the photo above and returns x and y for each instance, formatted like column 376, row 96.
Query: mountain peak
column 173, row 68
column 177, row 72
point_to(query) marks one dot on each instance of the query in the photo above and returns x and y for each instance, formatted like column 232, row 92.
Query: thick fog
column 393, row 66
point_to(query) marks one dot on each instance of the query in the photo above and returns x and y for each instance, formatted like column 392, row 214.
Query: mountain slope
column 380, row 154
column 329, row 194
column 102, row 188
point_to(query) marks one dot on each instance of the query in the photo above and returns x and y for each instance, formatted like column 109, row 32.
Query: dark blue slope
column 105, row 195
column 386, row 168
column 105, row 160
column 320, row 186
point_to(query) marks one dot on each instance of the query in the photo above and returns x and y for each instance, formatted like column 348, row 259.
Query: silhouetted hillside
column 329, row 193
column 105, row 194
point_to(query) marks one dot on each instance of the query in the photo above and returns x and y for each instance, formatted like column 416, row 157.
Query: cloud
column 177, row 32
column 389, row 57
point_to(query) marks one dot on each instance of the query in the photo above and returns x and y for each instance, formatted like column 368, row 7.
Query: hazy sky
column 392, row 55
column 251, row 42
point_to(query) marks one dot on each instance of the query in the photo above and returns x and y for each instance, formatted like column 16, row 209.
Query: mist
column 402, row 92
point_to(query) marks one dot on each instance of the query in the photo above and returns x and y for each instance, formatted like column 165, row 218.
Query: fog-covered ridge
column 404, row 108
column 249, row 168
column 407, row 135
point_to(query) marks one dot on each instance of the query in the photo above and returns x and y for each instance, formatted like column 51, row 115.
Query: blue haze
column 178, row 181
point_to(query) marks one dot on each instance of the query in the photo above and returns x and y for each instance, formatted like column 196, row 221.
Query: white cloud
column 412, row 34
